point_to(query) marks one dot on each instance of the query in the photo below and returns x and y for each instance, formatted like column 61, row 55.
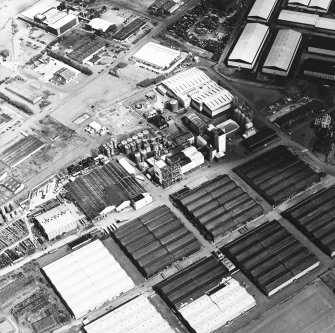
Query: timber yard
column 167, row 166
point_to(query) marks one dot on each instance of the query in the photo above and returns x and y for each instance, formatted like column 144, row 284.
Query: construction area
column 271, row 257
column 155, row 240
column 315, row 217
column 107, row 186
column 277, row 175
column 218, row 207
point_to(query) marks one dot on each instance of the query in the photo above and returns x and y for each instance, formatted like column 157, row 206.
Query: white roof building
column 156, row 55
column 88, row 277
column 213, row 310
column 262, row 10
column 100, row 24
column 248, row 46
column 312, row 5
column 325, row 23
column 194, row 87
column 282, row 53
column 298, row 17
column 136, row 316
column 58, row 220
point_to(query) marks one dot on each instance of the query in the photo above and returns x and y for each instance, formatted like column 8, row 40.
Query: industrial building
column 315, row 218
column 45, row 15
column 277, row 175
column 13, row 185
column 87, row 278
column 321, row 6
column 249, row 46
column 156, row 56
column 98, row 24
column 322, row 45
column 84, row 52
column 136, row 316
column 282, row 53
column 271, row 257
column 204, row 296
column 194, row 88
column 218, row 207
column 64, row 75
column 129, row 29
column 57, row 221
column 104, row 189
column 261, row 139
column 24, row 92
column 155, row 240
column 262, row 10
column 195, row 123
column 21, row 150
column 318, row 68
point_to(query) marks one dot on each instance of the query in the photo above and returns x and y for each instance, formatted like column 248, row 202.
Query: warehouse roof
column 322, row 43
column 320, row 4
column 136, row 316
column 40, row 7
column 157, row 54
column 283, row 49
column 325, row 23
column 319, row 66
column 262, row 9
column 299, row 2
column 298, row 17
column 99, row 24
column 249, row 43
column 88, row 277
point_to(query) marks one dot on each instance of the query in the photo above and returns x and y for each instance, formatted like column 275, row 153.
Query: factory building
column 156, row 56
column 319, row 69
column 262, row 10
column 249, row 46
column 87, row 278
column 136, row 316
column 322, row 45
column 194, row 88
column 57, row 221
column 98, row 24
column 282, row 53
column 321, row 6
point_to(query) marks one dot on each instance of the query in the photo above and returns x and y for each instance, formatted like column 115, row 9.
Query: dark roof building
column 319, row 68
column 261, row 139
column 129, row 29
column 322, row 45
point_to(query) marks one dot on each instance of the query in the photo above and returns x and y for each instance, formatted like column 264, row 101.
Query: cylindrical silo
column 127, row 150
column 174, row 105
column 137, row 156
column 145, row 134
column 144, row 155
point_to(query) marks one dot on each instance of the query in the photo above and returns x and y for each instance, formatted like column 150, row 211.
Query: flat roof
column 98, row 23
column 283, row 49
column 325, row 23
column 262, row 9
column 249, row 43
column 320, row 4
column 88, row 277
column 157, row 54
column 62, row 21
column 39, row 8
column 136, row 316
column 298, row 17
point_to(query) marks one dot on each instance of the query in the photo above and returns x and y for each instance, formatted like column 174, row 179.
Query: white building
column 100, row 24
column 141, row 200
column 136, row 316
column 262, row 10
column 249, row 46
column 311, row 5
column 300, row 18
column 194, row 87
column 282, row 53
column 213, row 310
column 157, row 56
column 87, row 278
column 58, row 220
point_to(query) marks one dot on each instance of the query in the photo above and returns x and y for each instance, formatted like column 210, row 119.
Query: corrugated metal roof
column 262, row 9
column 325, row 23
column 248, row 44
column 299, row 2
column 320, row 4
column 298, row 17
column 283, row 49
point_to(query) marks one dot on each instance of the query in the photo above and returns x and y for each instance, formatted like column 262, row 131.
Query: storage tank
column 129, row 140
column 137, row 156
column 144, row 142
column 143, row 155
column 155, row 146
column 135, row 137
column 164, row 141
column 160, row 146
column 140, row 135
column 127, row 150
column 243, row 117
column 123, row 143
column 238, row 116
column 114, row 143
column 174, row 105
column 133, row 147
column 145, row 134
column 159, row 138
column 138, row 144
column 148, row 148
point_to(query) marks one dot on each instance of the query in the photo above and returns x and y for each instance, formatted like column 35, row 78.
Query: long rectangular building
column 321, row 6
column 262, row 10
column 282, row 53
column 271, row 257
column 322, row 45
column 249, row 46
column 318, row 68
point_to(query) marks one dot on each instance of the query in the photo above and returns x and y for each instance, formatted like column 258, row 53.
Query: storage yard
column 155, row 240
column 271, row 257
column 278, row 175
column 315, row 217
column 219, row 206
column 20, row 151
column 105, row 186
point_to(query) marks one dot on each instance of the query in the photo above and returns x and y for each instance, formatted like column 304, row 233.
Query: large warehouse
column 318, row 68
column 157, row 56
column 282, row 53
column 315, row 217
column 271, row 257
column 298, row 18
column 321, row 6
column 87, row 278
column 155, row 240
column 219, row 206
column 205, row 296
column 249, row 46
column 322, row 45
column 136, row 316
column 194, row 87
column 262, row 10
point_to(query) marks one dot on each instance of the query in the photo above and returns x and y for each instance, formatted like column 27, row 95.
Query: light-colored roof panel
column 88, row 277
column 63, row 20
column 325, row 23
column 249, row 43
column 320, row 4
column 283, row 49
column 262, row 9
column 299, row 2
column 298, row 17
column 98, row 23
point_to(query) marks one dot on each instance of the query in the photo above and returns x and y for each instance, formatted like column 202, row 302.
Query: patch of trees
column 21, row 106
